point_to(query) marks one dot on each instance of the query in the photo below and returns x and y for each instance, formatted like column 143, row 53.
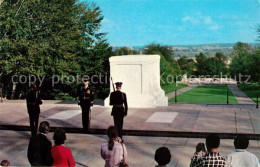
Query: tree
column 49, row 37
column 201, row 63
column 187, row 65
column 245, row 61
column 125, row 51
column 165, row 50
column 168, row 65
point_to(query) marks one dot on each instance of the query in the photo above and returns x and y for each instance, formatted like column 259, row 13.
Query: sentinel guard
column 86, row 100
column 119, row 110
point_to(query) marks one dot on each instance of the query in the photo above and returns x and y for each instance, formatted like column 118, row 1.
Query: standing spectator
column 114, row 151
column 241, row 158
column 39, row 149
column 5, row 163
column 33, row 101
column 62, row 156
column 211, row 158
column 162, row 156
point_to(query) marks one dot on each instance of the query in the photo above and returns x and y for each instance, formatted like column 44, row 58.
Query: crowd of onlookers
column 114, row 152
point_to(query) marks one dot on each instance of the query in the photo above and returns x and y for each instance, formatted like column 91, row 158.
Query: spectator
column 5, row 163
column 62, row 156
column 39, row 149
column 162, row 156
column 114, row 151
column 211, row 158
column 241, row 158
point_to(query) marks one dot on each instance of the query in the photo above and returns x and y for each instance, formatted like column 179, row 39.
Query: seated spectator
column 39, row 149
column 114, row 151
column 5, row 163
column 211, row 157
column 241, row 158
column 62, row 156
column 162, row 156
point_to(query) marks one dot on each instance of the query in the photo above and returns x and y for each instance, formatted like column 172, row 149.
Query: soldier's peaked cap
column 85, row 79
column 118, row 83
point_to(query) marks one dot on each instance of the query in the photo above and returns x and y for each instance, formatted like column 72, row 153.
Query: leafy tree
column 187, row 65
column 245, row 61
column 50, row 37
column 211, row 65
column 222, row 63
column 168, row 65
column 125, row 51
column 201, row 64
column 165, row 50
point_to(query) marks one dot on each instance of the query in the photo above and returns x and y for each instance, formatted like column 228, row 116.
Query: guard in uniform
column 33, row 101
column 119, row 110
column 86, row 100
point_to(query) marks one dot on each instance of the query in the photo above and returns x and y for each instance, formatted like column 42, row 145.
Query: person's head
column 44, row 127
column 85, row 81
column 5, row 163
column 212, row 141
column 241, row 142
column 34, row 86
column 112, row 135
column 59, row 136
column 162, row 156
column 112, row 132
column 118, row 85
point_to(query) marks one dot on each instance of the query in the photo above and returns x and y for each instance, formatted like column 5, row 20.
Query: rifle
column 113, row 84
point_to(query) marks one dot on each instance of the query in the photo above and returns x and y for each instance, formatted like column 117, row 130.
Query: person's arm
column 228, row 160
column 125, row 152
column 49, row 159
column 92, row 97
column 195, row 161
column 103, row 153
column 125, row 103
column 71, row 161
column 111, row 100
column 29, row 152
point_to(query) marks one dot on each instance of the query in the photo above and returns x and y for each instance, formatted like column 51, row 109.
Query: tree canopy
column 50, row 37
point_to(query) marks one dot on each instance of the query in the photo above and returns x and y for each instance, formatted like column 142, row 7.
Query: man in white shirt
column 241, row 158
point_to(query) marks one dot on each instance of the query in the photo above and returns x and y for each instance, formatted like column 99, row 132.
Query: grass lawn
column 252, row 90
column 206, row 94
column 171, row 87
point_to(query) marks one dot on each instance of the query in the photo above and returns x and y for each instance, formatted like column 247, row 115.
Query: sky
column 179, row 22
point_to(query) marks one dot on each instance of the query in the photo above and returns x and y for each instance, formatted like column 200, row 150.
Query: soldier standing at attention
column 119, row 110
column 86, row 100
column 33, row 101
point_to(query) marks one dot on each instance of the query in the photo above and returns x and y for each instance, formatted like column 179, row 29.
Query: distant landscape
column 191, row 50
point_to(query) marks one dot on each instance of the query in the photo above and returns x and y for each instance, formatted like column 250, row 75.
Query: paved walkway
column 240, row 96
column 141, row 150
column 180, row 91
column 176, row 117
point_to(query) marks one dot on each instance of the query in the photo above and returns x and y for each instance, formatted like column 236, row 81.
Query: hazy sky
column 178, row 22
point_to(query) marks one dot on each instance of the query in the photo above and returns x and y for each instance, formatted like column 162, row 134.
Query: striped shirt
column 211, row 159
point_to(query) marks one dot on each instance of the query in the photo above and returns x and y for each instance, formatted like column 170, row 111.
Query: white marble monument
column 140, row 75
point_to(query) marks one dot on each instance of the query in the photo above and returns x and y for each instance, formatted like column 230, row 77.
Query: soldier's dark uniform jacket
column 117, row 99
column 33, row 101
column 86, row 96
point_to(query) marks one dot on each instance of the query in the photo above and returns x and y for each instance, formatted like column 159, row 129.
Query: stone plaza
column 181, row 127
